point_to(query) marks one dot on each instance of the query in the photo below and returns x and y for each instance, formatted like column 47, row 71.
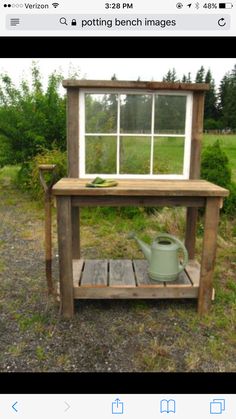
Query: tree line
column 220, row 106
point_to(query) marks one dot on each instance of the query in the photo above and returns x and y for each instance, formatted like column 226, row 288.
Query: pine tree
column 171, row 76
column 200, row 75
column 227, row 102
column 189, row 78
column 210, row 111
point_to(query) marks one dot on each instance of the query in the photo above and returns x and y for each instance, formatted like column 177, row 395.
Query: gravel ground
column 104, row 335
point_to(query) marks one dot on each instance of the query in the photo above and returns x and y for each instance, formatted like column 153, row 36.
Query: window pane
column 100, row 113
column 168, row 155
column 135, row 114
column 170, row 114
column 135, row 155
column 100, row 154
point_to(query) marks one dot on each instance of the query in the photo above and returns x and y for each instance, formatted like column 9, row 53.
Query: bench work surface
column 146, row 187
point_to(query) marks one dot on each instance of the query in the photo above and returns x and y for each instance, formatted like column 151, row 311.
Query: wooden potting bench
column 101, row 279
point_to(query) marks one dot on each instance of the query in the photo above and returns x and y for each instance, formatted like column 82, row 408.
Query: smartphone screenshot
column 117, row 209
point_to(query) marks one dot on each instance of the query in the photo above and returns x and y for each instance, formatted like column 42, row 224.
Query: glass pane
column 170, row 114
column 168, row 155
column 100, row 113
column 135, row 155
column 100, row 154
column 135, row 114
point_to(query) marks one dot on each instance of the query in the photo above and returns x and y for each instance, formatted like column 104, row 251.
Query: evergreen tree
column 200, row 75
column 227, row 103
column 171, row 76
column 210, row 111
column 186, row 79
column 189, row 80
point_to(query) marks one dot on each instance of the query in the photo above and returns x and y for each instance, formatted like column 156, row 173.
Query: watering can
column 163, row 256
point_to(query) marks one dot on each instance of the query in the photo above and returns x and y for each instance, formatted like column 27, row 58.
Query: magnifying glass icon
column 63, row 21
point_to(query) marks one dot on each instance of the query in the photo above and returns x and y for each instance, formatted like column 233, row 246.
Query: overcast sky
column 125, row 69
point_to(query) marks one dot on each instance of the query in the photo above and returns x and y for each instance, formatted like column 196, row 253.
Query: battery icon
column 225, row 5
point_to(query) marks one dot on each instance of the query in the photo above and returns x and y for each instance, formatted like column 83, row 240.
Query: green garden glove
column 101, row 183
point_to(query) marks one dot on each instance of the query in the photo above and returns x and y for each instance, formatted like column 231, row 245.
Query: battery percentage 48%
column 210, row 6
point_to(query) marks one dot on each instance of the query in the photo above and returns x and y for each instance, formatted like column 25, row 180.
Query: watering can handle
column 181, row 246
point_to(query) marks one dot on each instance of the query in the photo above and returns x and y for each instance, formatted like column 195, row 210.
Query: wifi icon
column 55, row 5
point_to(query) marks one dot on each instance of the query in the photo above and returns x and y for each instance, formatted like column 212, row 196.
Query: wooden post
column 195, row 163
column 43, row 168
column 73, row 160
column 208, row 254
column 191, row 230
column 65, row 255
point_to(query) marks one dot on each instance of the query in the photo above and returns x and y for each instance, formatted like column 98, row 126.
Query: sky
column 124, row 68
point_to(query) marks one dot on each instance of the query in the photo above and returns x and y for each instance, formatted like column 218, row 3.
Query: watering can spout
column 146, row 249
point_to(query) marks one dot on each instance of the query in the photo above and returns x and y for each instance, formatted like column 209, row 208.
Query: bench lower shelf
column 127, row 279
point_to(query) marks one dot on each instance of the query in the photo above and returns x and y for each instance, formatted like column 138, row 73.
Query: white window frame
column 117, row 134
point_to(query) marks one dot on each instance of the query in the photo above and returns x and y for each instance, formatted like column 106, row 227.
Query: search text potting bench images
column 122, row 130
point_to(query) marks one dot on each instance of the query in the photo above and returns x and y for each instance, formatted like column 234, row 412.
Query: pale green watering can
column 163, row 256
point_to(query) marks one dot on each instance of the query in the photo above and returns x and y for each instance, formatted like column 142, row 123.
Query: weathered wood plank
column 193, row 271
column 95, row 273
column 142, row 277
column 77, row 271
column 190, row 233
column 166, row 188
column 73, row 132
column 208, row 254
column 135, row 292
column 65, row 255
column 141, row 272
column 117, row 201
column 75, row 232
column 120, row 84
column 182, row 280
column 121, row 273
column 197, row 128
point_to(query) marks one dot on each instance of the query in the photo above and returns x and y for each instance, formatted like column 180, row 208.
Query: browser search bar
column 101, row 22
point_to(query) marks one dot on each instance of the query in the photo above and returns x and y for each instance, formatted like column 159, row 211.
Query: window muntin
column 132, row 137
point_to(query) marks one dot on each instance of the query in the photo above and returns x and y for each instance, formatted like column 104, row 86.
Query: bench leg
column 208, row 254
column 65, row 255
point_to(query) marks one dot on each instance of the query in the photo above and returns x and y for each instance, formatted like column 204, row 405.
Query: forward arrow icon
column 67, row 406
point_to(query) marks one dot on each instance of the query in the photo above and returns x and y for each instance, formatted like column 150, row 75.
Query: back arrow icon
column 14, row 407
column 67, row 406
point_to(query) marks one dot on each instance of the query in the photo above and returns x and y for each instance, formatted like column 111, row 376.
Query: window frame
column 187, row 136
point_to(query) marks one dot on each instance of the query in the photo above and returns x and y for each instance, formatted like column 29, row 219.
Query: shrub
column 215, row 165
column 28, row 176
column 215, row 168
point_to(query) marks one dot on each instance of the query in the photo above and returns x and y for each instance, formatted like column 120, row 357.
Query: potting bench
column 101, row 279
